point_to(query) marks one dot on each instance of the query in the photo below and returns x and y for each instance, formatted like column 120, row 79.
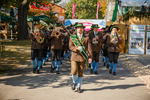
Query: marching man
column 78, row 44
column 37, row 48
column 56, row 47
column 96, row 39
column 113, row 42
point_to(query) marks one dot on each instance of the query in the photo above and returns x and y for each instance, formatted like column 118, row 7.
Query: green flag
column 114, row 17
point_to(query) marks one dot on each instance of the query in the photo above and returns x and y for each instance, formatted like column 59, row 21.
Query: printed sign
column 137, row 39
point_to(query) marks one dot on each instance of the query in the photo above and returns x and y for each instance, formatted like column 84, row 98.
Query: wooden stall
column 124, row 31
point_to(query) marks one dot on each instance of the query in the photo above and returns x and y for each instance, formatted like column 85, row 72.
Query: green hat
column 104, row 31
column 103, row 28
column 95, row 26
column 114, row 27
column 37, row 23
column 79, row 25
column 75, row 24
column 106, row 26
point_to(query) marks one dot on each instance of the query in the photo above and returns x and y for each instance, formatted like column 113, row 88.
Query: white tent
column 134, row 3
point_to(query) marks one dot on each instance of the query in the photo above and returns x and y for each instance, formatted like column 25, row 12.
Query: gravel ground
column 139, row 69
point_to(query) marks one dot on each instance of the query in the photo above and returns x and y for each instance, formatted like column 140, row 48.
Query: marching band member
column 66, row 45
column 49, row 45
column 36, row 48
column 105, row 49
column 56, row 47
column 45, row 46
column 96, row 39
column 113, row 42
column 78, row 43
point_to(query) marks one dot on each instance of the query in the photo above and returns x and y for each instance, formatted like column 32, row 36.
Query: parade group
column 81, row 47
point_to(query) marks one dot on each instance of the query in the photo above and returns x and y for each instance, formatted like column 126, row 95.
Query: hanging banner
column 73, row 8
column 137, row 39
column 42, row 6
column 87, row 23
column 97, row 10
column 148, row 40
column 114, row 17
column 61, row 18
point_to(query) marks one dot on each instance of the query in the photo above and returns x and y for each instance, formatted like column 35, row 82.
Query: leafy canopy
column 85, row 9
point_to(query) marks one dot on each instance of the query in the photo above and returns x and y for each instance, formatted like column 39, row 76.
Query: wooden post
column 0, row 53
column 145, row 36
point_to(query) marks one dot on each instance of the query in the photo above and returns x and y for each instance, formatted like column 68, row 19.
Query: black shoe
column 104, row 64
column 114, row 73
column 41, row 67
column 44, row 64
column 91, row 71
column 34, row 70
column 95, row 72
column 89, row 65
column 52, row 70
column 73, row 87
column 57, row 72
column 110, row 71
column 38, row 71
column 107, row 66
column 79, row 90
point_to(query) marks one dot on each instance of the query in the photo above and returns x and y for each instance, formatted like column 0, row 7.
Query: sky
column 63, row 1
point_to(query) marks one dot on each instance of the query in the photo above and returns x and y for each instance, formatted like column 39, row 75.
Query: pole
column 11, row 34
column 0, row 52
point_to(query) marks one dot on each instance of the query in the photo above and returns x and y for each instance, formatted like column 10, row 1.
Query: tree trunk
column 22, row 21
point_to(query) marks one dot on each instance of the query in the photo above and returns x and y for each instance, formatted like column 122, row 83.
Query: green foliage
column 23, row 7
column 137, row 14
column 85, row 9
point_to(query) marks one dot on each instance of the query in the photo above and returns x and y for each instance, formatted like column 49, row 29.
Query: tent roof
column 37, row 18
column 134, row 3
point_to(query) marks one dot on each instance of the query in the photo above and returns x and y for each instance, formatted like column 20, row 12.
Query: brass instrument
column 41, row 26
column 57, row 31
column 57, row 34
column 113, row 40
column 39, row 39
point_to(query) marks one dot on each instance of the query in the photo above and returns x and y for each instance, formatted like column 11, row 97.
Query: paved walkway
column 22, row 84
column 144, row 59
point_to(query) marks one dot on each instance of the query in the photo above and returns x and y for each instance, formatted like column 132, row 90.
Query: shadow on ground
column 25, row 78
